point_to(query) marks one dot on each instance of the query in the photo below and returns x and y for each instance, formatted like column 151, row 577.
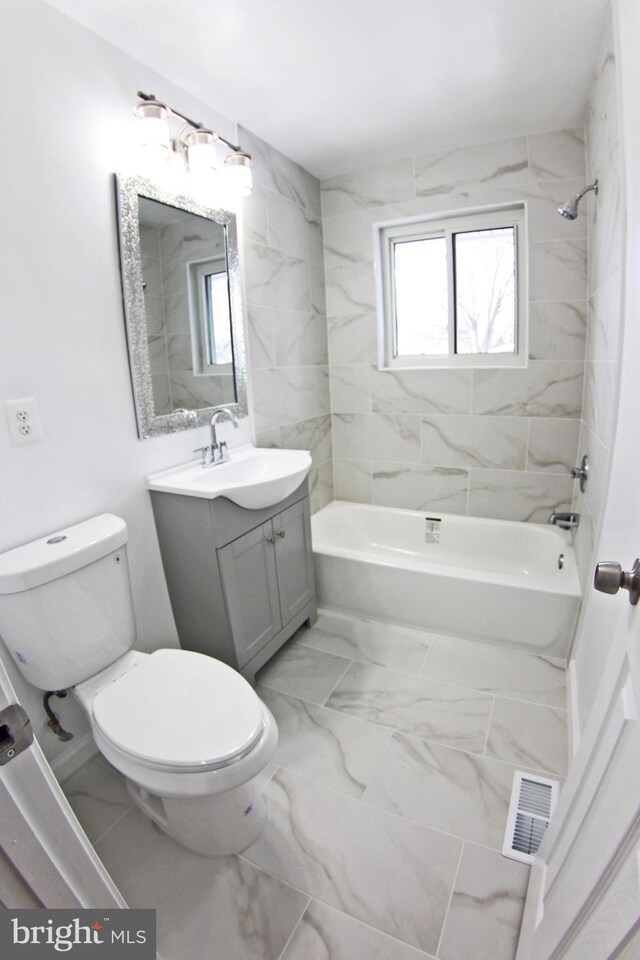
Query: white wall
column 67, row 100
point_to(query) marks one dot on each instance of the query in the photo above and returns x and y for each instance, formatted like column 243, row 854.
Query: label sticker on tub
column 432, row 529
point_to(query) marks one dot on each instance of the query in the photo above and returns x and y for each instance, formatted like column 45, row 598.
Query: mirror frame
column 128, row 189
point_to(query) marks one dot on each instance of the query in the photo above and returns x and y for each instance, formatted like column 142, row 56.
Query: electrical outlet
column 23, row 421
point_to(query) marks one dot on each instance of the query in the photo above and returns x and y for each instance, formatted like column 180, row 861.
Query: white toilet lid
column 180, row 709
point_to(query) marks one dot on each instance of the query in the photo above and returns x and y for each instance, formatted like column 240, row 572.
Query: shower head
column 569, row 210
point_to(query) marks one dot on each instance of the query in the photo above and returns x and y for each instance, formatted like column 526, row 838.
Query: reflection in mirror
column 182, row 302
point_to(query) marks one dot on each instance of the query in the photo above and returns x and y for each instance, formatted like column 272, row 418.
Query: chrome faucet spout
column 566, row 521
column 219, row 453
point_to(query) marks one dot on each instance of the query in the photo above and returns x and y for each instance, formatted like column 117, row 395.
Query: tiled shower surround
column 287, row 327
column 490, row 443
column 387, row 803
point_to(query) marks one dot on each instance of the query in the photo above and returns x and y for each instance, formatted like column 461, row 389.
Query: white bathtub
column 499, row 581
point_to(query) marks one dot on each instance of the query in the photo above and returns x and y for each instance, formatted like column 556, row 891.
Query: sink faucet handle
column 203, row 451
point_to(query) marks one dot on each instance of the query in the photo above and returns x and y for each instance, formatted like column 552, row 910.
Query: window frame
column 387, row 233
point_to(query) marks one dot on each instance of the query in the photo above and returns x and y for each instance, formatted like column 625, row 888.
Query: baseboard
column 573, row 710
column 74, row 757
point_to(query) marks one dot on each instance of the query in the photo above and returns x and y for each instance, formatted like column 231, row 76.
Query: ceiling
column 341, row 84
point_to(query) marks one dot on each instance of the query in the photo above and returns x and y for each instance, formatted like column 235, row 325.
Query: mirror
column 183, row 307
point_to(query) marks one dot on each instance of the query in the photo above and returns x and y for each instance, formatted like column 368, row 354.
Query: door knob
column 610, row 577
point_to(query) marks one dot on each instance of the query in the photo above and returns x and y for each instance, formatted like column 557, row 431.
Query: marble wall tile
column 542, row 199
column 543, row 389
column 417, row 487
column 488, row 164
column 321, row 842
column 553, row 445
column 373, row 187
column 508, row 673
column 270, row 409
column 292, row 229
column 352, row 339
column 600, row 401
column 350, row 289
column 558, row 270
column 254, row 216
column 302, row 672
column 365, row 436
column 421, row 391
column 277, row 172
column 190, row 392
column 351, row 388
column 320, row 486
column 261, row 343
column 604, row 311
column 275, row 279
column 161, row 393
column 484, row 919
column 450, row 790
column 313, row 435
column 317, row 290
column 251, row 913
column 300, row 339
column 557, row 155
column 386, row 644
column 518, row 496
column 466, row 441
column 352, row 480
column 179, row 352
column 347, row 239
column 529, row 734
column 286, row 395
column 324, row 746
column 557, row 331
column 158, row 355
column 436, row 711
column 327, row 934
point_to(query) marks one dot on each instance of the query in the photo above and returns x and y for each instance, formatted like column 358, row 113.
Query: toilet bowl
column 188, row 733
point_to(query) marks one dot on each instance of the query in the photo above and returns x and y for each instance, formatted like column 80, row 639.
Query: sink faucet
column 219, row 453
column 566, row 521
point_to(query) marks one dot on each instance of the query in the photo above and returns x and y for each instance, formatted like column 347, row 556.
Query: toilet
column 189, row 734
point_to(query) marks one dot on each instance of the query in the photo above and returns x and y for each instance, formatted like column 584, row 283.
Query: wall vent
column 533, row 800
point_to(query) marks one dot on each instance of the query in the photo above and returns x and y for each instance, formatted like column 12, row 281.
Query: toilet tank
column 66, row 610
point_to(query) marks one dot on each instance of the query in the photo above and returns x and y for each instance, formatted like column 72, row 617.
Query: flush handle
column 16, row 734
column 610, row 577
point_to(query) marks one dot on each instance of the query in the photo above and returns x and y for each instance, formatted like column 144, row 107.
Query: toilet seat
column 180, row 711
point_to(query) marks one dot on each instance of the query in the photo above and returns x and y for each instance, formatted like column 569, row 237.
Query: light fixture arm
column 193, row 123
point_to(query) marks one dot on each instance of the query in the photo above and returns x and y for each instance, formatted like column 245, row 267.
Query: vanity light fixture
column 200, row 149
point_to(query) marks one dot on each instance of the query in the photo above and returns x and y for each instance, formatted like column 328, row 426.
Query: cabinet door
column 294, row 561
column 248, row 571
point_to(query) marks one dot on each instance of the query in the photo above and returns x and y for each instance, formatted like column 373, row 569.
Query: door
column 45, row 858
column 248, row 570
column 294, row 562
column 584, row 897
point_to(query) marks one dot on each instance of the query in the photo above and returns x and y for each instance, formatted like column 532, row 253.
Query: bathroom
column 500, row 444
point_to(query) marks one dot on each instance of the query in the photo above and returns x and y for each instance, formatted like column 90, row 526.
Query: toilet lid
column 180, row 709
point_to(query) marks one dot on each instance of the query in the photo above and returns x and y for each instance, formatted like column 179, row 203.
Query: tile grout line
column 340, row 678
column 453, row 887
column 486, row 739
column 300, row 919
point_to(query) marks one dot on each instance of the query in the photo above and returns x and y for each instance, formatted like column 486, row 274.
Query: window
column 210, row 317
column 451, row 290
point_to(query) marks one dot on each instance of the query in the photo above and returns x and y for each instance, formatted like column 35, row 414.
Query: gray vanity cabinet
column 240, row 581
column 267, row 576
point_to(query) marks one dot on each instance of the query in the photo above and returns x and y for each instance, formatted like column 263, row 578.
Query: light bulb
column 202, row 152
column 238, row 170
column 153, row 128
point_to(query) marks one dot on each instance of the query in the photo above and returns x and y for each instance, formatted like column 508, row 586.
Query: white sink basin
column 252, row 478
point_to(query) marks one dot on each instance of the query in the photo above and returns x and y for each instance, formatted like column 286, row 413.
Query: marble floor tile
column 98, row 796
column 449, row 790
column 387, row 644
column 303, row 672
column 379, row 868
column 327, row 934
column 206, row 907
column 484, row 918
column 325, row 746
column 436, row 711
column 507, row 673
column 529, row 735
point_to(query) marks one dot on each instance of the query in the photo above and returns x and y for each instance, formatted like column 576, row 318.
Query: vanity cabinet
column 240, row 581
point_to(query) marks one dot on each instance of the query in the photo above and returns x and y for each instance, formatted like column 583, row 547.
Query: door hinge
column 16, row 734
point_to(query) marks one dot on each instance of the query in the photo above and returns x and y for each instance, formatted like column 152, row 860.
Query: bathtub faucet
column 566, row 521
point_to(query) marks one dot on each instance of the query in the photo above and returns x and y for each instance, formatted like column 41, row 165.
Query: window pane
column 219, row 320
column 486, row 291
column 421, row 296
